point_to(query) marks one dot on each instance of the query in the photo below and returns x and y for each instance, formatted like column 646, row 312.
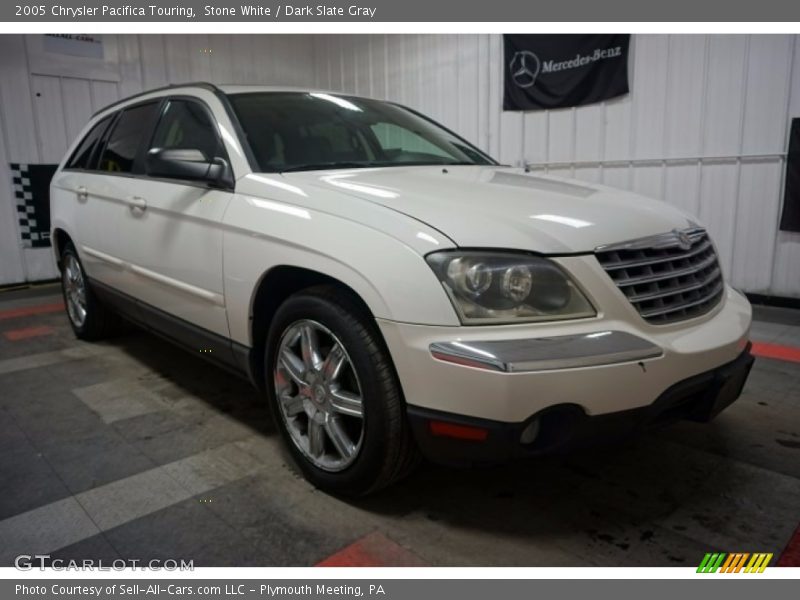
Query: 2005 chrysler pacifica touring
column 391, row 289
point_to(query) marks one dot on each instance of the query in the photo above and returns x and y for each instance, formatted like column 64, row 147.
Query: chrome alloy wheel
column 74, row 290
column 319, row 396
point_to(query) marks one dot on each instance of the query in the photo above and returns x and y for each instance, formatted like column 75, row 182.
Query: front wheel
column 335, row 394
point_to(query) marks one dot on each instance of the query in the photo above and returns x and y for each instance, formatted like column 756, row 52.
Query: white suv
column 390, row 287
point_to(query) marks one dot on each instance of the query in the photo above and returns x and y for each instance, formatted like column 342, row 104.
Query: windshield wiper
column 367, row 165
column 330, row 165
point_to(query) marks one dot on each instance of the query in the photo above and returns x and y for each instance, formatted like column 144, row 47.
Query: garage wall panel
column 561, row 138
column 380, row 69
column 649, row 94
column 724, row 91
column 588, row 133
column 617, row 129
column 242, row 66
column 648, row 179
column 700, row 106
column 756, row 219
column 362, row 68
column 590, row 174
column 51, row 142
column 718, row 190
column 103, row 94
column 200, row 53
column 16, row 100
column 469, row 76
column 682, row 186
column 787, row 254
column 395, row 62
column 48, row 106
column 684, row 105
column 616, row 176
column 77, row 94
column 130, row 65
column 11, row 265
column 537, row 138
column 176, row 54
column 768, row 74
column 512, row 139
column 153, row 61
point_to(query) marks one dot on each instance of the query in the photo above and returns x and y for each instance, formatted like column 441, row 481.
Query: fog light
column 530, row 433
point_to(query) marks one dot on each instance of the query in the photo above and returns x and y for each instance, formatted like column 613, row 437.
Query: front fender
column 391, row 277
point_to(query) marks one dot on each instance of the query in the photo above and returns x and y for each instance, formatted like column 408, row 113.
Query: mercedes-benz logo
column 524, row 68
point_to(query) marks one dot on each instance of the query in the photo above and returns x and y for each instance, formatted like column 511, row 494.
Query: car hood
column 503, row 207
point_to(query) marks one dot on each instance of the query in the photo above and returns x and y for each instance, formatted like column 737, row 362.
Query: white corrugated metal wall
column 45, row 100
column 704, row 128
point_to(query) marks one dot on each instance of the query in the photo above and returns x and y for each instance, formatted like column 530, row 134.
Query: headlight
column 498, row 287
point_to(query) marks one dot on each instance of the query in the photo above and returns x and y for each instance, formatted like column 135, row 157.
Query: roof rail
column 197, row 84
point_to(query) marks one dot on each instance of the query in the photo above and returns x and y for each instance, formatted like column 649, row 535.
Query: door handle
column 83, row 193
column 137, row 205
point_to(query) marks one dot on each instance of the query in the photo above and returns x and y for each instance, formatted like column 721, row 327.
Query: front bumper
column 456, row 439
column 604, row 380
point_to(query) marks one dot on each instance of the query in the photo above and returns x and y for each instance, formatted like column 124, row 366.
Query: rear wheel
column 335, row 394
column 89, row 318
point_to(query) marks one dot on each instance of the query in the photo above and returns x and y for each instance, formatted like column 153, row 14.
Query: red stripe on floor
column 776, row 351
column 14, row 335
column 27, row 311
column 790, row 557
column 373, row 550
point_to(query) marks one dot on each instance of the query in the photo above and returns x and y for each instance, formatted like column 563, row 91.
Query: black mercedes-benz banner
column 790, row 219
column 557, row 71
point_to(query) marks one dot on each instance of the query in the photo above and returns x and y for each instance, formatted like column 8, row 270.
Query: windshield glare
column 293, row 131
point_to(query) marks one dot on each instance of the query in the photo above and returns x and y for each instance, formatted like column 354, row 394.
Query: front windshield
column 294, row 131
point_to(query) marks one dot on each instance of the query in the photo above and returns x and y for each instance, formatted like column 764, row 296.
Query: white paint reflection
column 340, row 180
column 428, row 238
column 569, row 221
column 288, row 187
column 286, row 209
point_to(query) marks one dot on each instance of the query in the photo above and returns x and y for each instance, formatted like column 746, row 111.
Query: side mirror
column 190, row 163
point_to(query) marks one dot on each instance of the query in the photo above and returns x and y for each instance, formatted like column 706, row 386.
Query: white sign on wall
column 74, row 44
column 92, row 57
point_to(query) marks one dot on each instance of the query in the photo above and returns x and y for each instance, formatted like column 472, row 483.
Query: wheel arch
column 273, row 288
column 59, row 240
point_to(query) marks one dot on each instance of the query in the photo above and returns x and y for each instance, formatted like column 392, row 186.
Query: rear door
column 173, row 235
column 69, row 200
column 109, row 193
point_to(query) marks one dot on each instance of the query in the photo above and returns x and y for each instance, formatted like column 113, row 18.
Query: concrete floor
column 134, row 449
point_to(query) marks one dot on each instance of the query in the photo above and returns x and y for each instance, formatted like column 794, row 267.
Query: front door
column 173, row 236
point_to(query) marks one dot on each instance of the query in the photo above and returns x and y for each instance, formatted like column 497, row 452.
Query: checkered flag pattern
column 34, row 226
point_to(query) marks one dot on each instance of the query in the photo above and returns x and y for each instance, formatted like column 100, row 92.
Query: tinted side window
column 82, row 155
column 186, row 125
column 126, row 139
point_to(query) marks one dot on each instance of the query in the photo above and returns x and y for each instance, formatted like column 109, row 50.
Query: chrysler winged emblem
column 524, row 68
column 684, row 241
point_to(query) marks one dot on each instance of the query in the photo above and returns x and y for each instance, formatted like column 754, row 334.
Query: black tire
column 388, row 451
column 100, row 322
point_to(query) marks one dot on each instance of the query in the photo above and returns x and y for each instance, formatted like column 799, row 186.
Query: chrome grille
column 668, row 277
